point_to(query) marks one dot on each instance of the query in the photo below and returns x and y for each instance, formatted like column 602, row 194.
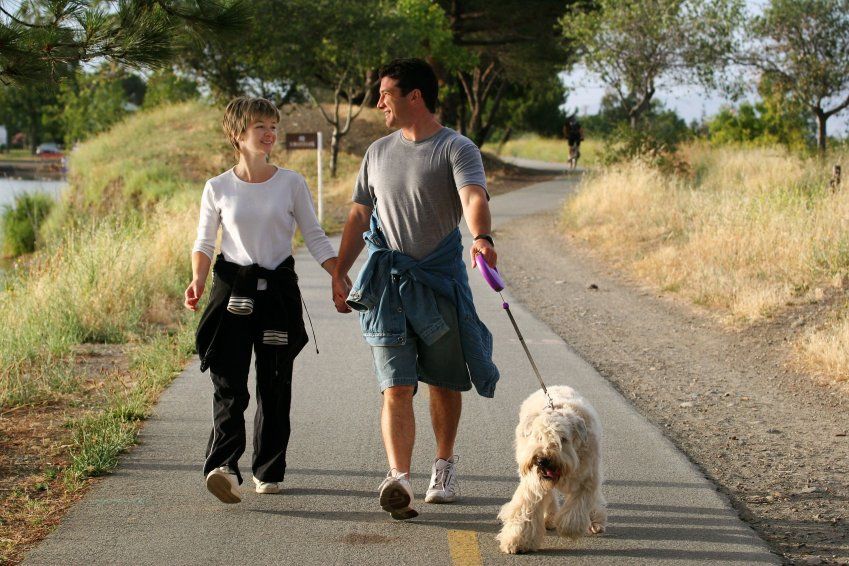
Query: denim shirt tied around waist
column 393, row 289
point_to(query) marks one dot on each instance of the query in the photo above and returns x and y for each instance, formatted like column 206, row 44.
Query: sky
column 691, row 103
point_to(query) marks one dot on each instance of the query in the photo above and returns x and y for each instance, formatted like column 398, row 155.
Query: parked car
column 48, row 150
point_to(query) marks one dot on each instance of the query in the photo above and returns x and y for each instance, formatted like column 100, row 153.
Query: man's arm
column 476, row 213
column 350, row 247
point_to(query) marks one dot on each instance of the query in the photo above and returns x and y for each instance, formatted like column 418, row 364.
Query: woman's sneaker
column 223, row 484
column 266, row 486
column 444, row 487
column 396, row 496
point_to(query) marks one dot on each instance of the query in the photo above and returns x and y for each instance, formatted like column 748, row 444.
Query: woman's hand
column 193, row 294
column 341, row 288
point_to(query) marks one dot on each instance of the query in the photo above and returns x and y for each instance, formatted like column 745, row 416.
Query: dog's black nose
column 544, row 463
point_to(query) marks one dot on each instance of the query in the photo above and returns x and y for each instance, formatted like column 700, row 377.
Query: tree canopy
column 43, row 40
column 501, row 49
column 804, row 47
column 635, row 47
column 330, row 51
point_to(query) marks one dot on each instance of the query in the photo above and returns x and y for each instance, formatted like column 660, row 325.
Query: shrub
column 21, row 221
column 654, row 144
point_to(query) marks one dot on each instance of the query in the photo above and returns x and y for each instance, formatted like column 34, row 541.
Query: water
column 10, row 188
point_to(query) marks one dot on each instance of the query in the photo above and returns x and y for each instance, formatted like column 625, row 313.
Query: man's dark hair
column 413, row 74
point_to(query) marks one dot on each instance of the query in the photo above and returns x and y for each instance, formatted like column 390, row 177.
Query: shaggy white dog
column 557, row 449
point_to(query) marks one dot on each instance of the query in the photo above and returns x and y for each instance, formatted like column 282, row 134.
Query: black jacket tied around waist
column 280, row 320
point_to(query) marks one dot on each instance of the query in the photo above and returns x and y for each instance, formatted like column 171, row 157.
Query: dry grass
column 750, row 232
column 826, row 347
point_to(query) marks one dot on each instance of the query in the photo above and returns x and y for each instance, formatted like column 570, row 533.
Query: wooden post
column 320, row 187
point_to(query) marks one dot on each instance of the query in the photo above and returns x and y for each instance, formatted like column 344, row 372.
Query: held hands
column 486, row 249
column 341, row 288
column 193, row 294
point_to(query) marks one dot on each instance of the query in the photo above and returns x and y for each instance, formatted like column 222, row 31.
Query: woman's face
column 260, row 137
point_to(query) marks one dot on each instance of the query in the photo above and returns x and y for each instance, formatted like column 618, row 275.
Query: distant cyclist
column 574, row 134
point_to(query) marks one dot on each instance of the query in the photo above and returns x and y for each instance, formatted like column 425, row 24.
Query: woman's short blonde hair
column 243, row 111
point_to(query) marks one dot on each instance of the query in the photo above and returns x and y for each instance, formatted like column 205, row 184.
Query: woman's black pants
column 229, row 375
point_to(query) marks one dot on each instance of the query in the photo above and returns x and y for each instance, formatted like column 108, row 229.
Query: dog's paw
column 513, row 547
column 596, row 528
column 515, row 538
column 550, row 523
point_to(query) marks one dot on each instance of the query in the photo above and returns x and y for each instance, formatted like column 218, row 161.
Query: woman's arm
column 314, row 237
column 200, row 270
column 204, row 248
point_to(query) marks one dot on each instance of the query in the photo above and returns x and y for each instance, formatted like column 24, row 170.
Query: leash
column 493, row 278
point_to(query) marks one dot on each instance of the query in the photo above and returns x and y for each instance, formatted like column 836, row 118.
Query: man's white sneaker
column 396, row 496
column 266, row 486
column 444, row 487
column 224, row 485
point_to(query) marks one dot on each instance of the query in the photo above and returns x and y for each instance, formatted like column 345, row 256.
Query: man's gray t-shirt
column 415, row 187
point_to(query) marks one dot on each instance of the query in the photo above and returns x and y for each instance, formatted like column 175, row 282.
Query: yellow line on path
column 463, row 546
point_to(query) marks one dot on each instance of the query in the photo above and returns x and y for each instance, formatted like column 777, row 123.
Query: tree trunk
column 33, row 132
column 483, row 135
column 504, row 139
column 821, row 130
column 636, row 111
column 460, row 108
column 334, row 149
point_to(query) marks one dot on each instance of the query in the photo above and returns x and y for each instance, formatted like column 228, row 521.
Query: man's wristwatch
column 486, row 237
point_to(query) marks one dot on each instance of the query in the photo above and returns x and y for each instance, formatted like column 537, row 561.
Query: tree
column 334, row 49
column 731, row 125
column 499, row 47
column 165, row 86
column 92, row 102
column 804, row 47
column 219, row 63
column 635, row 46
column 786, row 120
column 42, row 40
column 22, row 109
column 534, row 109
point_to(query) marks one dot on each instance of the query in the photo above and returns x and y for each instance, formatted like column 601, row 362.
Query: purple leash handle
column 490, row 274
column 494, row 280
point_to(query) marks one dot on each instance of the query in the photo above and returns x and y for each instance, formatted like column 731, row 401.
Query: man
column 574, row 133
column 413, row 293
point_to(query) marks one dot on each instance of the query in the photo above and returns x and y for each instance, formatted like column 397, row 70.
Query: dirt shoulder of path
column 773, row 439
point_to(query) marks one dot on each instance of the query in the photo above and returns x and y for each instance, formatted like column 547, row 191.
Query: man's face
column 394, row 105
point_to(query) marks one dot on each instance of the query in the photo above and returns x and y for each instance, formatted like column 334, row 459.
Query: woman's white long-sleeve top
column 258, row 219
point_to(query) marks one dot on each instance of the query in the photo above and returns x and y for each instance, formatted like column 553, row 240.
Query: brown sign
column 302, row 141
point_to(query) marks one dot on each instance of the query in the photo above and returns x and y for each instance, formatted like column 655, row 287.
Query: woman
column 255, row 303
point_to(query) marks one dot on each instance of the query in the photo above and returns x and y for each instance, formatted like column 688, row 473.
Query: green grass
column 21, row 221
column 17, row 155
column 99, row 438
column 533, row 146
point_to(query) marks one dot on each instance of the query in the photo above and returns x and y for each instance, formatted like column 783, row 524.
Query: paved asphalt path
column 155, row 510
column 537, row 165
